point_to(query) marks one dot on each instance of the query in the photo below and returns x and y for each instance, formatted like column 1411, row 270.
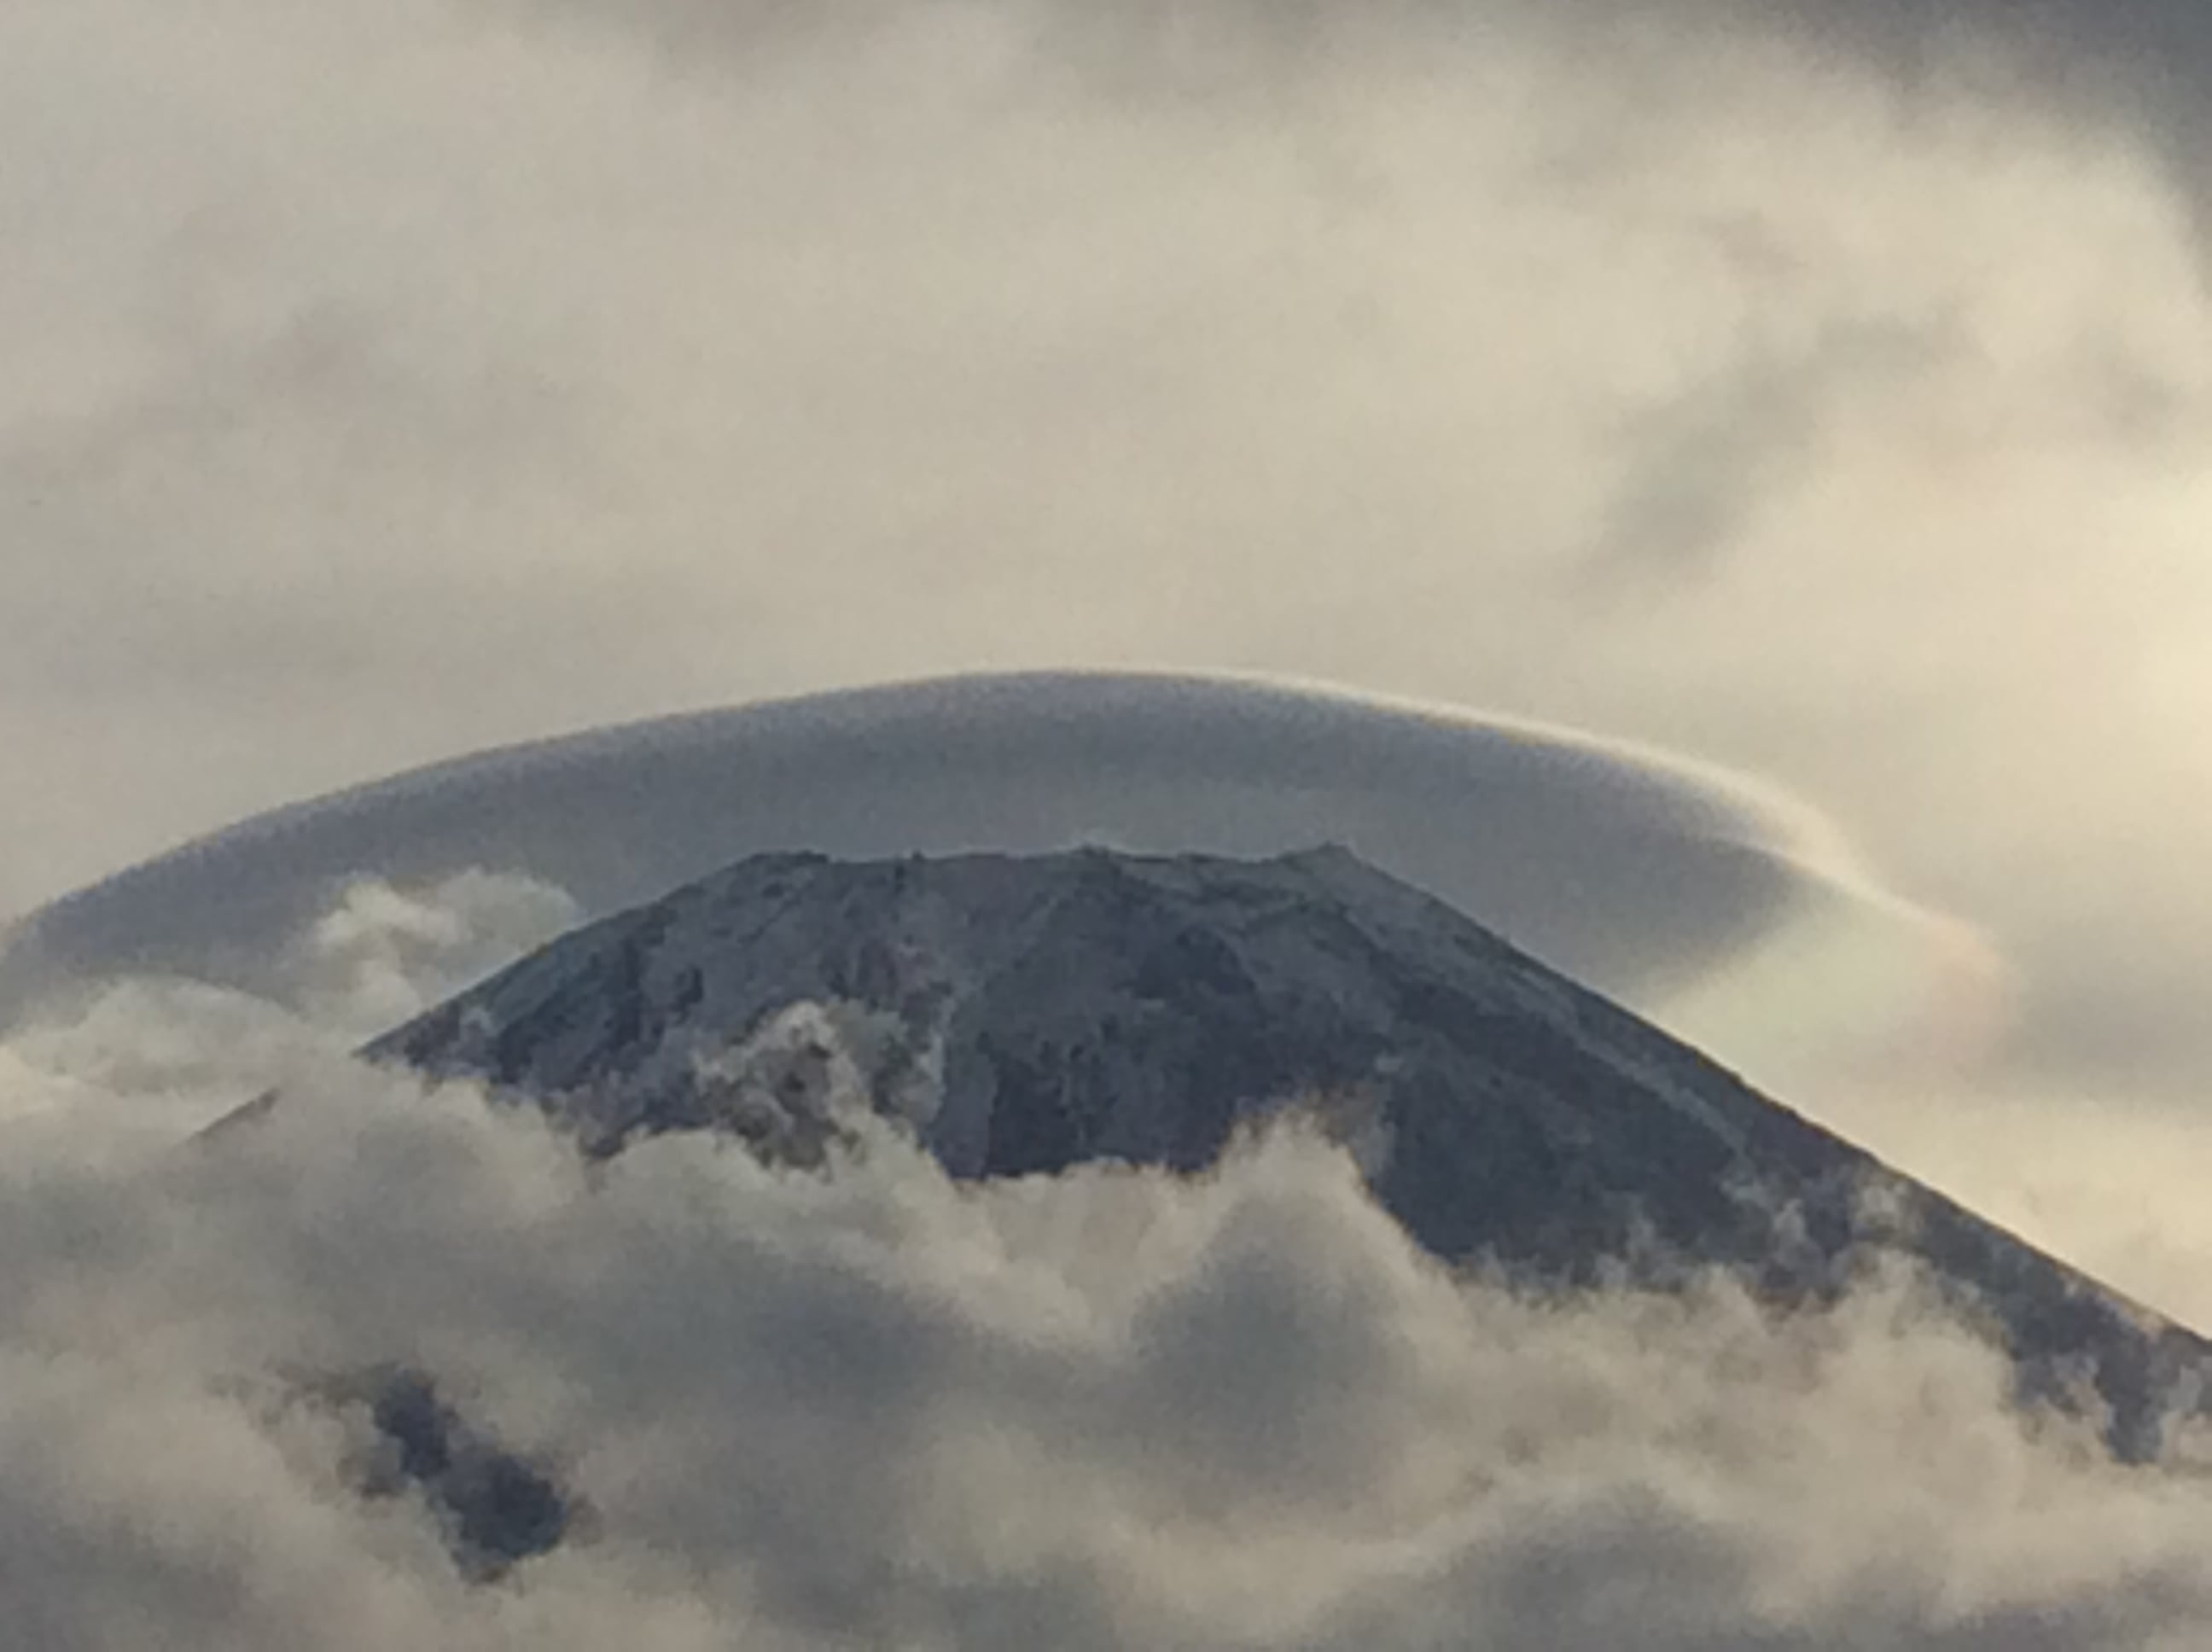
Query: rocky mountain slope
column 1023, row 1015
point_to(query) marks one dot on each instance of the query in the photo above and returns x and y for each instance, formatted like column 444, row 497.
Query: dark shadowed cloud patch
column 1703, row 462
column 2139, row 67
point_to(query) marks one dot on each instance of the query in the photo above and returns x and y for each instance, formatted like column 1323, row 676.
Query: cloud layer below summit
column 1821, row 389
column 1103, row 1410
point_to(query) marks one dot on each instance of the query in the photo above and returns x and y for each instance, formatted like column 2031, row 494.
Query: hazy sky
column 1820, row 389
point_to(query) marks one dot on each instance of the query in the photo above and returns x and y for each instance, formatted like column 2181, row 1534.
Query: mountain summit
column 1023, row 1015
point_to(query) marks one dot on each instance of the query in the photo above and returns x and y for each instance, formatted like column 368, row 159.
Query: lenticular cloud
column 865, row 1406
column 1683, row 890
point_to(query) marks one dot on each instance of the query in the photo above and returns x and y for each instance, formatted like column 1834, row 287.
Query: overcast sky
column 1819, row 389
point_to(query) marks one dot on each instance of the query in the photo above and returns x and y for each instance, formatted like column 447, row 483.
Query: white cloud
column 153, row 1057
column 383, row 954
column 1109, row 1409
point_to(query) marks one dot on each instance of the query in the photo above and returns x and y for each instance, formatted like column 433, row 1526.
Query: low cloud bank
column 873, row 1407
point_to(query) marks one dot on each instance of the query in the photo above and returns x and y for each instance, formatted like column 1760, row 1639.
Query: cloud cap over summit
column 1640, row 873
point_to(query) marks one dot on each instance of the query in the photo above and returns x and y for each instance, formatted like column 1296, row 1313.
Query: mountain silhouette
column 1022, row 1015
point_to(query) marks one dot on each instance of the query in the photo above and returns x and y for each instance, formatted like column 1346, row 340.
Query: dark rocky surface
column 497, row 1507
column 1023, row 1015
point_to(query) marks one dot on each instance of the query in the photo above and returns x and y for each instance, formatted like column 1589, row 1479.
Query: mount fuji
column 1021, row 1015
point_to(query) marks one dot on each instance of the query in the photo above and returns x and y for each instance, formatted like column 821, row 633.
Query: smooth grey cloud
column 1646, row 877
column 197, row 529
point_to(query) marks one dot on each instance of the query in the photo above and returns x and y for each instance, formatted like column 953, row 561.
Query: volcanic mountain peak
column 1022, row 1015
column 1158, row 1000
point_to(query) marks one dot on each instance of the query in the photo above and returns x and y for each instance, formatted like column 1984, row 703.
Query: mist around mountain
column 1022, row 1017
column 398, row 1364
